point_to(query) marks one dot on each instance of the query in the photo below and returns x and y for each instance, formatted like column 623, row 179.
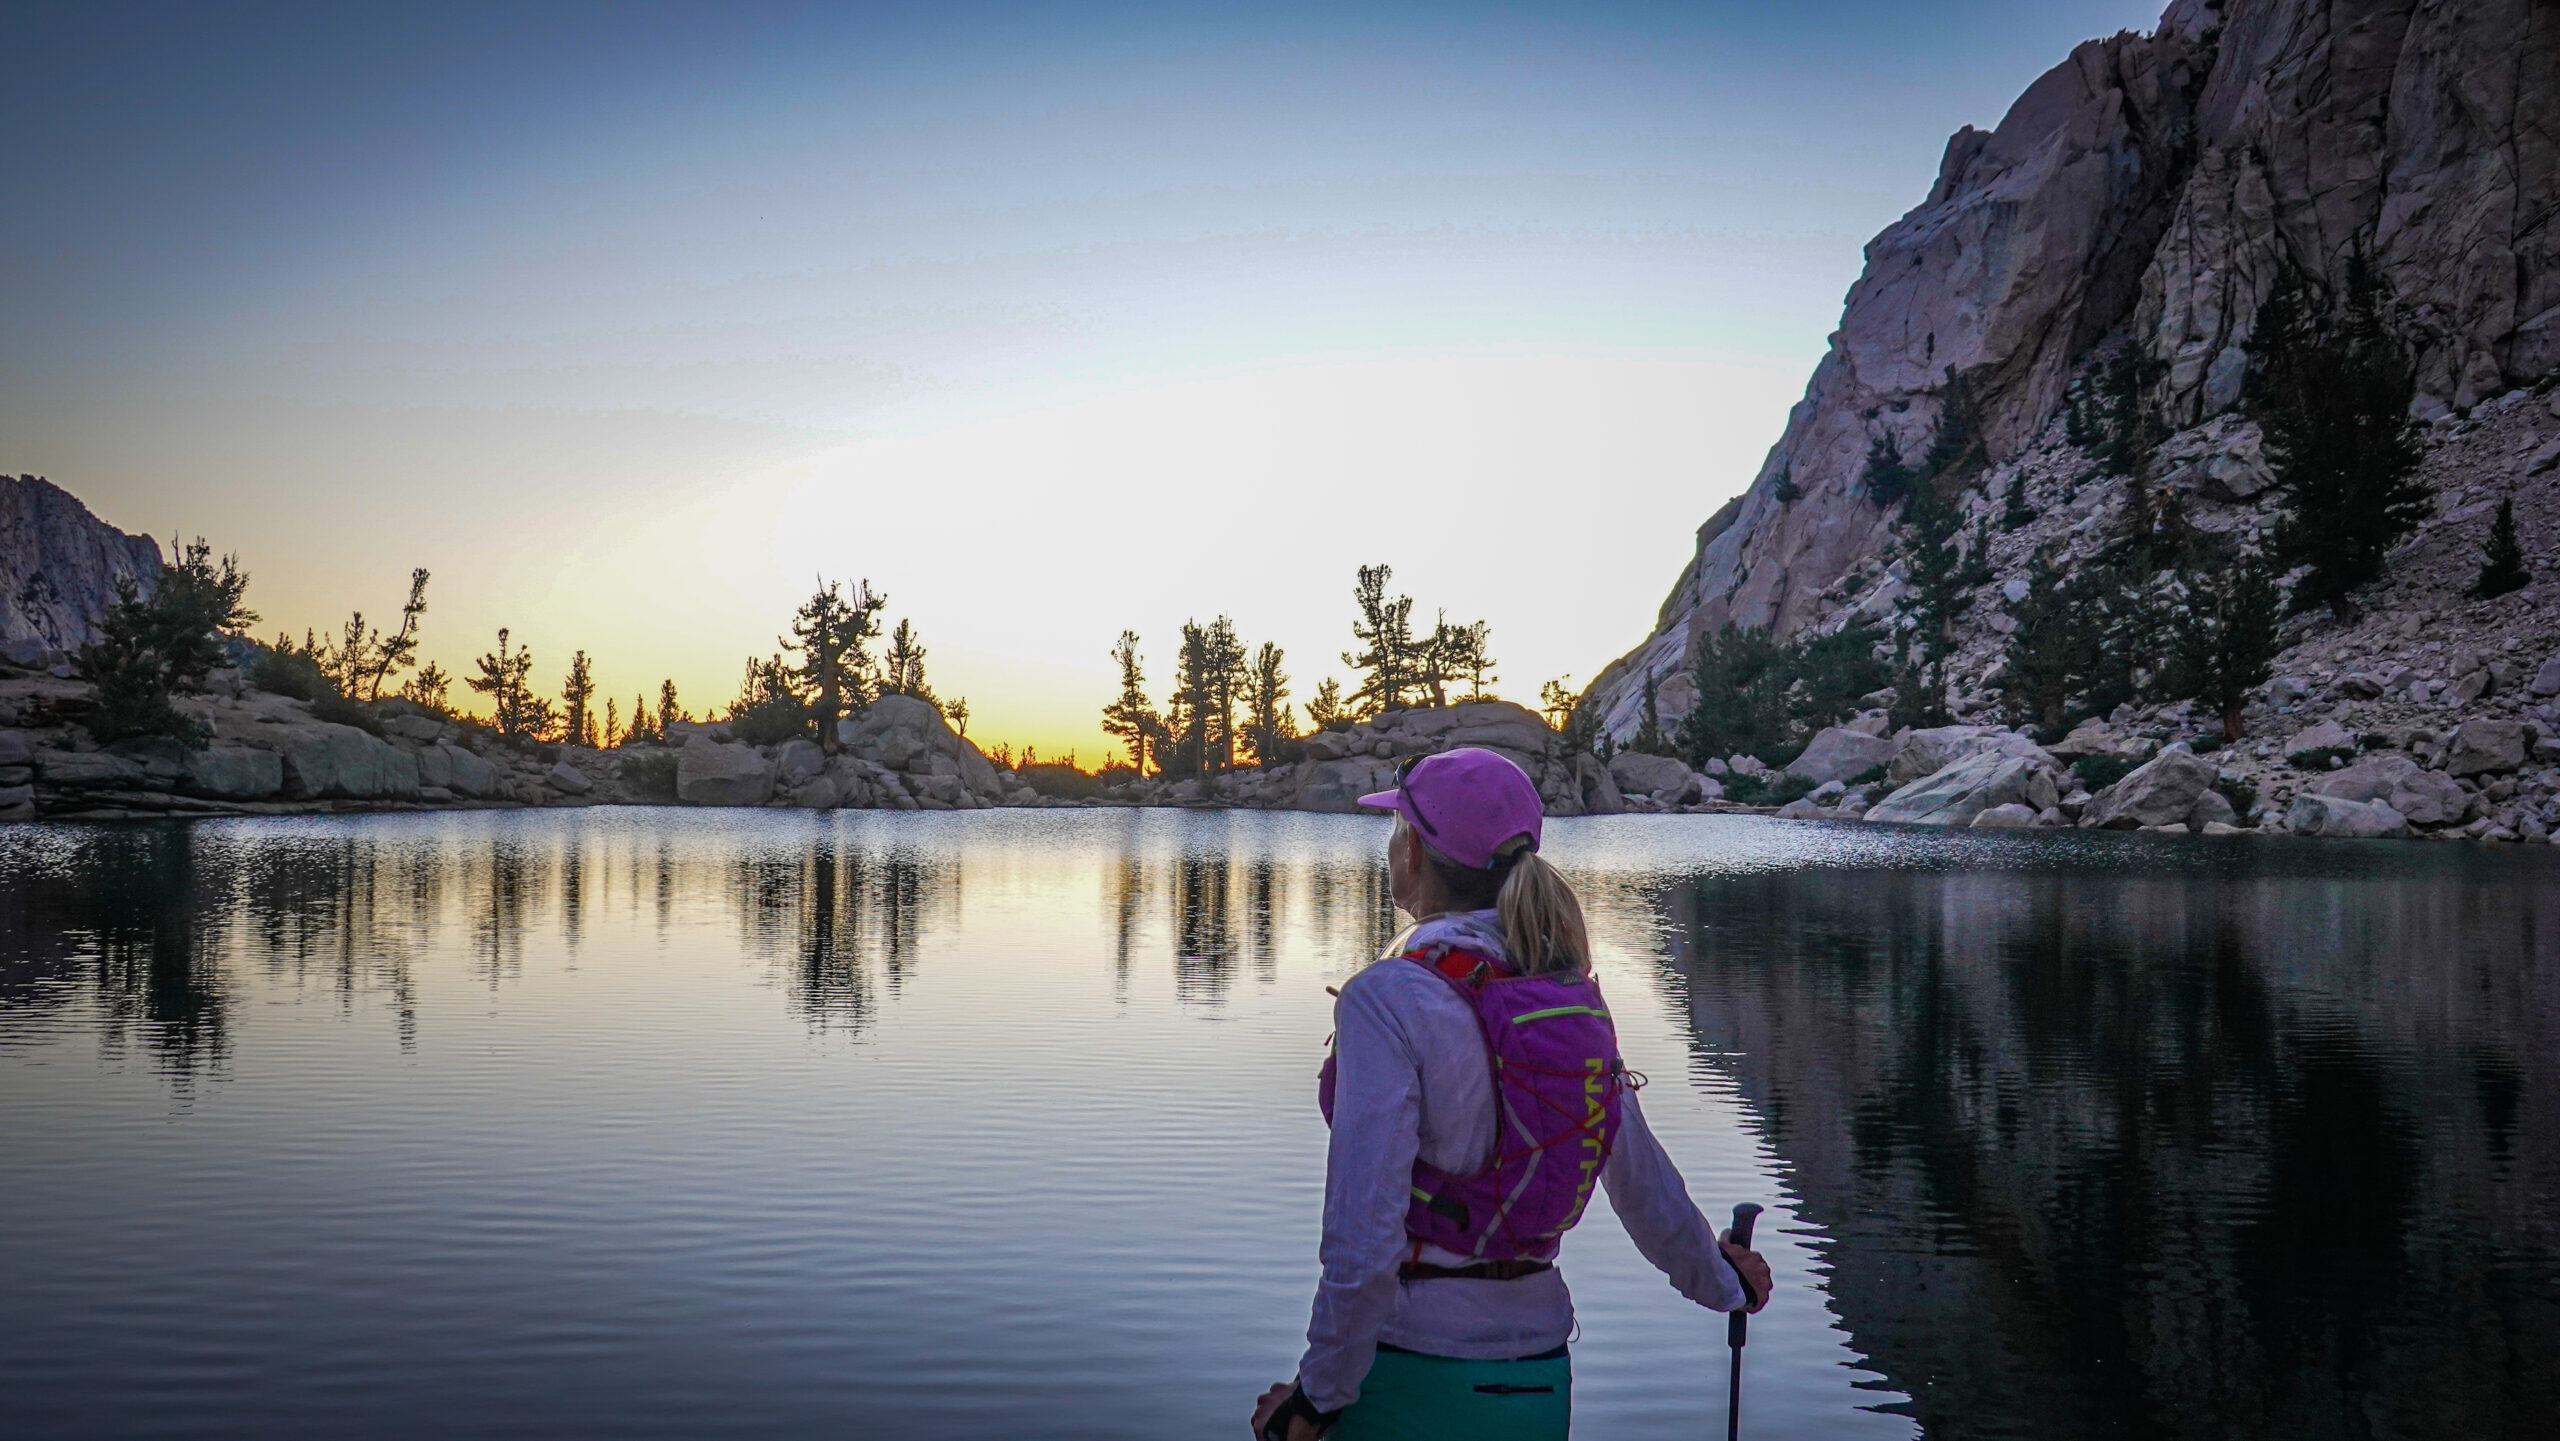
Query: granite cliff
column 59, row 565
column 2144, row 196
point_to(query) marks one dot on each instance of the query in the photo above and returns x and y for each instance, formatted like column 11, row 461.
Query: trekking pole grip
column 1738, row 1325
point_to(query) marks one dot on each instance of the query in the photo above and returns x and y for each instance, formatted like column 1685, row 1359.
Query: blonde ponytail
column 1542, row 919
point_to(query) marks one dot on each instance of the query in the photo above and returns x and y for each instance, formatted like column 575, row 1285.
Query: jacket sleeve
column 1377, row 1131
column 1653, row 1203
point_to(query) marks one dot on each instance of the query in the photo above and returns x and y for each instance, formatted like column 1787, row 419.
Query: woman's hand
column 1751, row 1267
column 1299, row 1430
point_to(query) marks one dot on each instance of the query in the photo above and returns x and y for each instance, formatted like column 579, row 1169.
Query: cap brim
column 1384, row 800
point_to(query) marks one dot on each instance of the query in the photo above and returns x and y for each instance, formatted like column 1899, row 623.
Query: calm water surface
column 629, row 1122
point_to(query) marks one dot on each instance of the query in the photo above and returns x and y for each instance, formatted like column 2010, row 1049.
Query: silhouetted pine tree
column 2502, row 567
column 2332, row 394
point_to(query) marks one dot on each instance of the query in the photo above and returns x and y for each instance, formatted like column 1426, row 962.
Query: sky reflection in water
column 631, row 1122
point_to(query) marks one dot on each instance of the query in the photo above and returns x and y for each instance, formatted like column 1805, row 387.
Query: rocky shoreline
column 2489, row 779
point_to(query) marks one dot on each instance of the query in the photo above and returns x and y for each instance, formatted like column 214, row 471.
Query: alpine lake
column 637, row 1122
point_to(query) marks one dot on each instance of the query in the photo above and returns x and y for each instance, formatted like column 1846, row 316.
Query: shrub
column 2099, row 772
column 2242, row 795
column 2321, row 758
column 290, row 673
column 651, row 774
column 770, row 722
column 1872, row 775
column 1773, row 789
column 1057, row 778
column 2206, row 745
column 338, row 710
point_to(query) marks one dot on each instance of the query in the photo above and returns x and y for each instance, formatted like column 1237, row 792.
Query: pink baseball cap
column 1465, row 803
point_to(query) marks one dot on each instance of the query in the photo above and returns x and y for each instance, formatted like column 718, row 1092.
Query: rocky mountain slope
column 59, row 565
column 2145, row 194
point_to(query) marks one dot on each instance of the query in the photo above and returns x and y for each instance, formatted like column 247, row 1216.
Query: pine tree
column 1325, row 709
column 1268, row 729
column 1185, row 749
column 1557, row 699
column 1937, row 581
column 1385, row 632
column 1649, row 738
column 1887, row 479
column 2332, row 394
column 430, row 687
column 399, row 650
column 612, row 723
column 905, row 664
column 1742, row 696
column 2502, row 567
column 2015, row 514
column 1474, row 659
column 669, row 713
column 1130, row 720
column 1225, row 671
column 576, row 689
column 770, row 708
column 149, row 650
column 2051, row 653
column 643, row 725
column 504, row 677
column 2223, row 643
column 956, row 710
column 831, row 636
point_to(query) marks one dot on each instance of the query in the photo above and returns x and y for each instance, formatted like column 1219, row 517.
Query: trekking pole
column 1737, row 1328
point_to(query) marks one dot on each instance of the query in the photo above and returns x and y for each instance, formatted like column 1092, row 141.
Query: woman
column 1440, row 1312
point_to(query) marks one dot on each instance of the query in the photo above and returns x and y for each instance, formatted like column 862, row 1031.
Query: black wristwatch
column 1297, row 1406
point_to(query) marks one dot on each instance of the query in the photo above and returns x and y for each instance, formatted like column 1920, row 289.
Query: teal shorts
column 1413, row 1397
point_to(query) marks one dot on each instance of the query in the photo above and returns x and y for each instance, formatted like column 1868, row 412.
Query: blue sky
column 1051, row 321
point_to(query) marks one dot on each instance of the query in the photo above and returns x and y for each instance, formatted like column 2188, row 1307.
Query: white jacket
column 1410, row 1078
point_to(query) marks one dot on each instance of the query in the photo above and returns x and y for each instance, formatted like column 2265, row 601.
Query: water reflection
column 2100, row 1153
column 2096, row 1136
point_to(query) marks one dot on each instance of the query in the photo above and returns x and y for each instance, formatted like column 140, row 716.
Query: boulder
column 710, row 773
column 15, row 750
column 2318, row 815
column 1337, row 785
column 322, row 759
column 1800, row 809
column 2546, row 681
column 2009, row 817
column 465, row 772
column 234, row 773
column 568, row 779
column 2361, row 685
column 1954, row 794
column 2162, row 791
column 1599, row 792
column 2422, row 796
column 1841, row 754
column 1327, row 746
column 897, row 730
column 2212, row 808
column 2484, row 746
column 1922, row 753
column 2326, row 735
column 822, row 793
column 87, row 770
column 1639, row 774
column 1496, row 725
column 2287, row 691
column 795, row 761
column 409, row 725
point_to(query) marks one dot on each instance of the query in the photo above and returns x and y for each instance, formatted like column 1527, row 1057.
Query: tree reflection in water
column 2097, row 1155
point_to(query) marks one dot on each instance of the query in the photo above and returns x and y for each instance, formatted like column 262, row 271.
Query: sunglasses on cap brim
column 1404, row 791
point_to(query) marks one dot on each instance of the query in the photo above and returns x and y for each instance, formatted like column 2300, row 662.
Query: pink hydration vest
column 1558, row 1088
